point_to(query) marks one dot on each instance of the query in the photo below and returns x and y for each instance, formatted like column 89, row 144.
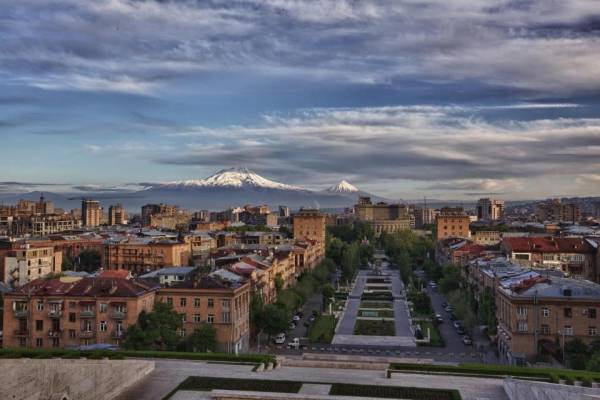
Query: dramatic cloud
column 450, row 147
column 139, row 46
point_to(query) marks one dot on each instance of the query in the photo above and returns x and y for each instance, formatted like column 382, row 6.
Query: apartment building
column 452, row 222
column 117, row 215
column 91, row 213
column 222, row 303
column 383, row 217
column 307, row 255
column 160, row 212
column 72, row 312
column 309, row 224
column 21, row 262
column 556, row 210
column 424, row 216
column 487, row 238
column 541, row 314
column 141, row 255
column 576, row 256
column 490, row 209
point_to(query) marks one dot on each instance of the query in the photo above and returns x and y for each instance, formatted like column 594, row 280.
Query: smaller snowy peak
column 343, row 187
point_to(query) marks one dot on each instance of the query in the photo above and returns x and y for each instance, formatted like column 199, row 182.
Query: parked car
column 432, row 284
column 439, row 318
column 448, row 308
column 457, row 324
column 444, row 304
column 280, row 339
column 300, row 314
column 467, row 340
column 312, row 318
column 296, row 318
column 452, row 317
column 460, row 330
column 298, row 343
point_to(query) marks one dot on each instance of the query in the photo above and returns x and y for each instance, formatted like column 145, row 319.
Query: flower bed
column 393, row 392
column 374, row 328
column 377, row 304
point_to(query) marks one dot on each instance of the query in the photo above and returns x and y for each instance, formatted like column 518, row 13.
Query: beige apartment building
column 383, row 217
column 140, row 255
column 309, row 224
column 452, row 222
column 21, row 263
column 542, row 314
column 117, row 215
column 490, row 209
column 91, row 213
column 210, row 300
column 72, row 312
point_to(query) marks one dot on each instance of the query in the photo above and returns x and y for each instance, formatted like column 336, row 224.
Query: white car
column 296, row 318
column 280, row 339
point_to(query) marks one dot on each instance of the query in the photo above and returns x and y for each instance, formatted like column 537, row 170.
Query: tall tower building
column 117, row 215
column 91, row 212
column 490, row 209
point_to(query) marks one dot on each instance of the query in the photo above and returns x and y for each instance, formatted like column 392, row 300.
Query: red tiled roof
column 116, row 273
column 86, row 287
column 548, row 245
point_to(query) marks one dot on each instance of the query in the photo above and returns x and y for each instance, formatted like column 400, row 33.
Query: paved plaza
column 404, row 338
column 169, row 373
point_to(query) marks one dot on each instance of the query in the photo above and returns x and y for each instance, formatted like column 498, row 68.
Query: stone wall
column 527, row 390
column 61, row 379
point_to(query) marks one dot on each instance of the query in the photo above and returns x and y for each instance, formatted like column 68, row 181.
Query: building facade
column 91, row 213
column 490, row 209
column 452, row 222
column 383, row 217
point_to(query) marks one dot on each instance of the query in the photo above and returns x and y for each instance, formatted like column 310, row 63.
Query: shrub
column 397, row 392
column 202, row 383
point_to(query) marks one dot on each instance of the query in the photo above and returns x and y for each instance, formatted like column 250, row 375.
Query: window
column 545, row 312
column 522, row 326
column 103, row 326
column 72, row 316
column 55, row 342
column 568, row 330
column 183, row 318
column 545, row 330
column 170, row 301
column 72, row 304
column 183, row 301
column 226, row 317
column 210, row 319
column 103, row 307
column 196, row 318
column 522, row 311
column 39, row 342
column 197, row 302
column 591, row 313
column 72, row 334
column 211, row 303
column 39, row 325
column 592, row 331
column 568, row 312
column 182, row 332
column 225, row 303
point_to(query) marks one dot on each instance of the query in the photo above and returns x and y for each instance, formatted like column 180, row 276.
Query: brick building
column 452, row 222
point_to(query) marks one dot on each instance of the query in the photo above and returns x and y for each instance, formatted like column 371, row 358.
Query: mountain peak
column 343, row 187
column 238, row 177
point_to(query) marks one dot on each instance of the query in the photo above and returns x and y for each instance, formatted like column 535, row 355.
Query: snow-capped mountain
column 343, row 187
column 238, row 177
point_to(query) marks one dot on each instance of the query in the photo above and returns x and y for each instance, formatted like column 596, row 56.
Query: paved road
column 453, row 340
column 169, row 373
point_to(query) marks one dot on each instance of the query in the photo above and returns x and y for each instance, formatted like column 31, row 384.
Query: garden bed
column 380, row 313
column 377, row 304
column 436, row 339
column 393, row 392
column 206, row 384
column 380, row 296
column 374, row 328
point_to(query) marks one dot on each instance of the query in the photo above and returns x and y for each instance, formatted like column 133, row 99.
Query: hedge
column 203, row 383
column 120, row 354
column 542, row 374
column 393, row 392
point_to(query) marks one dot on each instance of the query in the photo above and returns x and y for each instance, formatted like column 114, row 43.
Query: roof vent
column 567, row 292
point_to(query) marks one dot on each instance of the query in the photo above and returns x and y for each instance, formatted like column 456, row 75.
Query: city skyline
column 449, row 101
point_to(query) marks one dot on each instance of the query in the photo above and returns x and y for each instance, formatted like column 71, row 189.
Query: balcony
column 117, row 334
column 21, row 332
column 55, row 334
column 54, row 313
column 87, row 314
column 117, row 314
column 86, row 334
column 21, row 313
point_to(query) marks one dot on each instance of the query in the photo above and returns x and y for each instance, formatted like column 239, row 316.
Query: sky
column 444, row 99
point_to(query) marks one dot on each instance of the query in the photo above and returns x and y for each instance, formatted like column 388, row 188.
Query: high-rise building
column 490, row 209
column 284, row 211
column 555, row 210
column 164, row 210
column 309, row 224
column 424, row 216
column 91, row 212
column 117, row 215
column 452, row 222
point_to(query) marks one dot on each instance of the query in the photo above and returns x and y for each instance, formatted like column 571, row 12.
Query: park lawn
column 322, row 330
column 374, row 328
column 436, row 337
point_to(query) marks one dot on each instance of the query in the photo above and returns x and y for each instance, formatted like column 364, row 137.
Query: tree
column 89, row 260
column 403, row 262
column 328, row 293
column 450, row 280
column 203, row 339
column 275, row 319
column 487, row 312
column 576, row 352
column 278, row 283
column 422, row 303
column 593, row 363
column 156, row 330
